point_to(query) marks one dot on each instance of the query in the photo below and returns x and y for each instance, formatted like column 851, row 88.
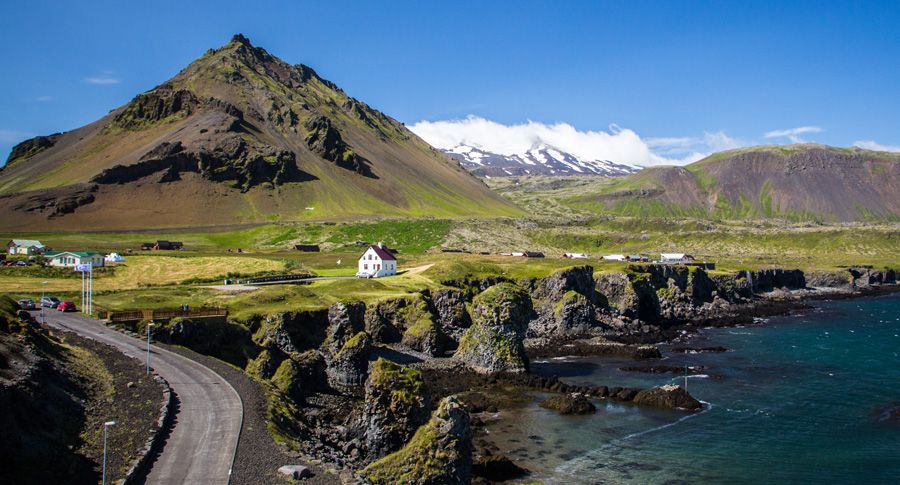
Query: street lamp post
column 43, row 288
column 106, row 426
column 149, row 329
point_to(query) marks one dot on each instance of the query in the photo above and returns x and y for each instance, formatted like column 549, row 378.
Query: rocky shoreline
column 372, row 391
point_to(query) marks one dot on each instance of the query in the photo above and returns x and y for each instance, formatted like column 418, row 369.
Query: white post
column 106, row 426
column 83, row 299
column 149, row 329
column 91, row 290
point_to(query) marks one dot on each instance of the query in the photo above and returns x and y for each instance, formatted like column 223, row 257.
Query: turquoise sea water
column 791, row 402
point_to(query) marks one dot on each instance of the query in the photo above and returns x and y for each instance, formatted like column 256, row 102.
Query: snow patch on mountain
column 540, row 159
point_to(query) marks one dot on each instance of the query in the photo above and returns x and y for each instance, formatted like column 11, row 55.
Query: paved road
column 202, row 444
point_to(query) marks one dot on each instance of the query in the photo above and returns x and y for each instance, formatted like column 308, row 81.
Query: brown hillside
column 799, row 182
column 237, row 136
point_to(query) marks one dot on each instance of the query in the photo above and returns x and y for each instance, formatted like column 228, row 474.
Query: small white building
column 68, row 259
column 575, row 256
column 24, row 246
column 376, row 262
column 615, row 257
column 675, row 258
column 114, row 258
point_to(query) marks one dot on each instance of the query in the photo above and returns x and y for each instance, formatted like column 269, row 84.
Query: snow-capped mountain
column 540, row 159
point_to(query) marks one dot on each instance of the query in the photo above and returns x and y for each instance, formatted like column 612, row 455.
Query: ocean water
column 791, row 402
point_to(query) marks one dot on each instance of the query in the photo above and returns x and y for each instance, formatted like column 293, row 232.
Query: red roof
column 383, row 253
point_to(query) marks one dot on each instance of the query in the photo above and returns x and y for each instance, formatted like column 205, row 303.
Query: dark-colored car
column 66, row 306
column 49, row 302
column 26, row 304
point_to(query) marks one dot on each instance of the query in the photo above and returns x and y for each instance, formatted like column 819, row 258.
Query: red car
column 66, row 306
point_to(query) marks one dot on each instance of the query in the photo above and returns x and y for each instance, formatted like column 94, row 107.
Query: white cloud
column 620, row 145
column 101, row 80
column 873, row 145
column 793, row 134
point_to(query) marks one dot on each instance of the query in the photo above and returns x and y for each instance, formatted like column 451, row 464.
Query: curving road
column 202, row 444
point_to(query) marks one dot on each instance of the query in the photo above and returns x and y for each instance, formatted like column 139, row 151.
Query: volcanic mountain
column 540, row 159
column 793, row 182
column 238, row 136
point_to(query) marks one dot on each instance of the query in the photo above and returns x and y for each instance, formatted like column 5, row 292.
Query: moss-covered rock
column 396, row 404
column 575, row 403
column 494, row 341
column 225, row 340
column 265, row 364
column 345, row 320
column 667, row 397
column 296, row 331
column 347, row 369
column 300, row 375
column 407, row 320
column 440, row 452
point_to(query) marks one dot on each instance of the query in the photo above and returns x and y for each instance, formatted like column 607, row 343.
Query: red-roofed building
column 376, row 262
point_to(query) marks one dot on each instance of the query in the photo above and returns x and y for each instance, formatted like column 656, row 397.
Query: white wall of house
column 69, row 260
column 372, row 265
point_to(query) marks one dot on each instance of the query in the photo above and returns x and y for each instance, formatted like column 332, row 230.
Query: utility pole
column 106, row 426
column 149, row 329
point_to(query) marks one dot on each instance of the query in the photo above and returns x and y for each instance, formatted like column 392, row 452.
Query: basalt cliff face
column 237, row 136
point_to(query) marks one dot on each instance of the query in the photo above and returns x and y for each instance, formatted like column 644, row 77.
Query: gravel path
column 258, row 455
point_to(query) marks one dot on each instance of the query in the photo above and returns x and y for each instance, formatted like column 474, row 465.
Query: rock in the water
column 396, row 404
column 297, row 472
column 497, row 468
column 889, row 413
column 439, row 453
column 646, row 352
column 347, row 369
column 494, row 342
column 575, row 403
column 667, row 397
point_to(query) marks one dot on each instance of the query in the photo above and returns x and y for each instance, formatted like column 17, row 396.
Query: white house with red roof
column 376, row 262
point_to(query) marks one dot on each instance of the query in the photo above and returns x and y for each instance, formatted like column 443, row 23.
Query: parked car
column 26, row 304
column 66, row 306
column 21, row 263
column 49, row 302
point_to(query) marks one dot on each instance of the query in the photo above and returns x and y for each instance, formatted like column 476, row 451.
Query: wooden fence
column 137, row 315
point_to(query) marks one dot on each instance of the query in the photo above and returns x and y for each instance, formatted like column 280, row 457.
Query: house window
column 365, row 266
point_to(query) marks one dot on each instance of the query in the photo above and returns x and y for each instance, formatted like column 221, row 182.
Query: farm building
column 68, row 259
column 162, row 246
column 376, row 262
column 575, row 256
column 675, row 258
column 24, row 246
column 615, row 257
column 307, row 248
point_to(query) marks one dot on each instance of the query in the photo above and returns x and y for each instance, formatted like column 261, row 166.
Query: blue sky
column 683, row 77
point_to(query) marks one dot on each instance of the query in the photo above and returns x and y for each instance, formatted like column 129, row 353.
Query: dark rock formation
column 497, row 468
column 225, row 340
column 770, row 279
column 325, row 139
column 347, row 368
column 345, row 320
column 575, row 403
column 301, row 374
column 667, row 397
column 265, row 364
column 407, row 320
column 439, row 453
column 396, row 404
column 566, row 304
column 494, row 341
column 30, row 148
column 293, row 331
column 452, row 314
column 58, row 202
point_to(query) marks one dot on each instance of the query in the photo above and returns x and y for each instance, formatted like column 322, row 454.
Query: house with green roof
column 24, row 246
column 68, row 259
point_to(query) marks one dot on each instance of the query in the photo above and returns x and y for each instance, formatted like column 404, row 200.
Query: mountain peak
column 240, row 39
column 539, row 159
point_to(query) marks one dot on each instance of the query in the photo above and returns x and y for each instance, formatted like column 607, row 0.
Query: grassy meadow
column 167, row 279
